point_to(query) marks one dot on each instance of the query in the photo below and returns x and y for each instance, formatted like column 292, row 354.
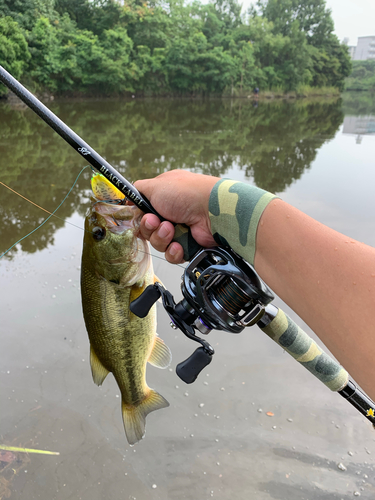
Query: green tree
column 116, row 68
column 148, row 25
column 45, row 64
column 27, row 12
column 327, row 60
column 65, row 58
column 14, row 52
column 180, row 47
column 362, row 76
column 79, row 11
column 95, row 15
column 314, row 19
column 150, row 70
column 280, row 60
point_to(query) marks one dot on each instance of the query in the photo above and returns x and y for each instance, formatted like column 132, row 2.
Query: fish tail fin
column 134, row 417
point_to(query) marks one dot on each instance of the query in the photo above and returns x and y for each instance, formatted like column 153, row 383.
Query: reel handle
column 142, row 305
column 189, row 369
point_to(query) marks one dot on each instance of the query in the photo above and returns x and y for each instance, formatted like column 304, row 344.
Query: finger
column 175, row 253
column 161, row 238
column 149, row 224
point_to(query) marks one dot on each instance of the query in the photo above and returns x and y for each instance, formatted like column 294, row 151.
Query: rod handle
column 182, row 232
column 183, row 236
column 285, row 332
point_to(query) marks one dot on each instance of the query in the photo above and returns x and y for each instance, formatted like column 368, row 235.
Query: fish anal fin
column 161, row 355
column 134, row 417
column 99, row 372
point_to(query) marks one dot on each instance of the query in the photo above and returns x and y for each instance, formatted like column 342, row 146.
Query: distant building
column 351, row 50
column 365, row 48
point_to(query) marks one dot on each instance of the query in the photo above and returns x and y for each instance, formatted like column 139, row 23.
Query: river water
column 216, row 439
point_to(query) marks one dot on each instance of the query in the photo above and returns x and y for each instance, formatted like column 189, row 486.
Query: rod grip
column 183, row 236
column 182, row 232
column 285, row 332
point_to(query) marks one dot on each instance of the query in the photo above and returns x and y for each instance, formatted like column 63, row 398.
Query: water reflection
column 273, row 144
column 359, row 126
column 359, row 103
column 360, row 115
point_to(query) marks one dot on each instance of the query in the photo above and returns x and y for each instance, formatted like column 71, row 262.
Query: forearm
column 327, row 278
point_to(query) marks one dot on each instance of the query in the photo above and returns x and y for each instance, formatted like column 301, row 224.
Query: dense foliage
column 362, row 76
column 175, row 47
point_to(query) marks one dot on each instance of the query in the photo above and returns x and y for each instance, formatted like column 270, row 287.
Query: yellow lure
column 103, row 189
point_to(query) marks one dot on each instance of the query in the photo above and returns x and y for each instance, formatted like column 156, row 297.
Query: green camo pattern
column 298, row 344
column 183, row 236
column 235, row 210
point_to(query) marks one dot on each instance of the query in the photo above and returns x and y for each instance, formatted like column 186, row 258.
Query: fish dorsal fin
column 134, row 417
column 99, row 372
column 161, row 355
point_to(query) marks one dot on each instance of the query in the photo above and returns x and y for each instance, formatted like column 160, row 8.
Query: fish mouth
column 119, row 218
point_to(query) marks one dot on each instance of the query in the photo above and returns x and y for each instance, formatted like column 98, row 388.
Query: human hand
column 180, row 197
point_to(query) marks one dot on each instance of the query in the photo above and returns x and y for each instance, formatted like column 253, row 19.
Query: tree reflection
column 359, row 103
column 273, row 144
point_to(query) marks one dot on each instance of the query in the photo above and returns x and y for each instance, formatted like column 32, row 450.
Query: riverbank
column 304, row 91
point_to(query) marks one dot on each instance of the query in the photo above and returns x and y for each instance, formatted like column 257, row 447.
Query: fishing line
column 51, row 214
column 115, row 202
column 38, row 206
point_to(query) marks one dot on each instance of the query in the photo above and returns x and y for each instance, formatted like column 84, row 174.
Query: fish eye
column 98, row 233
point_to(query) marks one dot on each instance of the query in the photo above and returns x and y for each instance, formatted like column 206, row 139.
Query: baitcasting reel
column 221, row 292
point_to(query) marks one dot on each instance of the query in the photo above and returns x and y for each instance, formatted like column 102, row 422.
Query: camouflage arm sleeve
column 235, row 209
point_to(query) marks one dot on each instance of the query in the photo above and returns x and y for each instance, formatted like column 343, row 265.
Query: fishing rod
column 182, row 233
column 221, row 291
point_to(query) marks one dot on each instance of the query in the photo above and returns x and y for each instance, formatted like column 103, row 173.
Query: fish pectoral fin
column 161, row 355
column 134, row 417
column 157, row 279
column 99, row 372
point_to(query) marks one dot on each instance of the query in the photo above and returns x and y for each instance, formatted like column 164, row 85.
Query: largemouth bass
column 116, row 268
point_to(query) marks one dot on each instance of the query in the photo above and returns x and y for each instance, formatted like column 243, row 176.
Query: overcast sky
column 352, row 18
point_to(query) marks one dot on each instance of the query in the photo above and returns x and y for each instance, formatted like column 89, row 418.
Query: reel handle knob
column 142, row 305
column 189, row 369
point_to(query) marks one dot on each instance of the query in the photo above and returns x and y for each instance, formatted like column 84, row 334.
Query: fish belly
column 121, row 343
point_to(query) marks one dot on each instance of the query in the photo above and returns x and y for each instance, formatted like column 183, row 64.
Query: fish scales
column 116, row 268
column 113, row 337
